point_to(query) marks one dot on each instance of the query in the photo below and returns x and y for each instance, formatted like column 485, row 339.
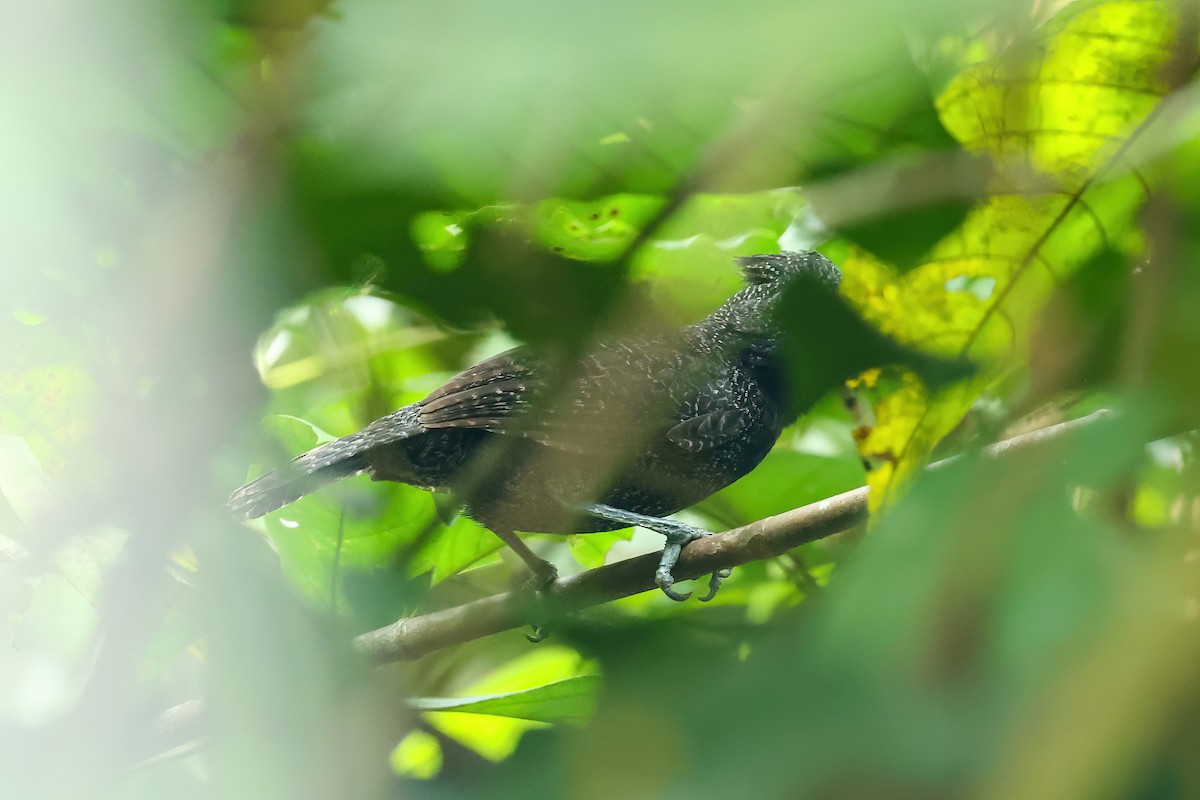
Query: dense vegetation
column 233, row 230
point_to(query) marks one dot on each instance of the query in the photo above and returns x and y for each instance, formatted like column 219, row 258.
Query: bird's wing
column 720, row 411
column 600, row 405
column 706, row 431
column 489, row 396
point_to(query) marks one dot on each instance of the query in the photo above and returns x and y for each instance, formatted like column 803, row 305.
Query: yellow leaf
column 1057, row 115
column 419, row 755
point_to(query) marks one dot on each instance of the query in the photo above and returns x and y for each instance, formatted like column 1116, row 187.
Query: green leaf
column 297, row 435
column 418, row 755
column 591, row 549
column 461, row 544
column 351, row 525
column 829, row 343
column 569, row 701
column 594, row 231
column 789, row 477
column 494, row 734
column 903, row 235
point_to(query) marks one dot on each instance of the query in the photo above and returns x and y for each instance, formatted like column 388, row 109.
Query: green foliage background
column 232, row 230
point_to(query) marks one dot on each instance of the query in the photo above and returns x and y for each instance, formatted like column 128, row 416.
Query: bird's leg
column 678, row 534
column 544, row 573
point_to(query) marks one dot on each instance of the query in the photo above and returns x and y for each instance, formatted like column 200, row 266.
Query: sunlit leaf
column 462, row 544
column 419, row 755
column 296, row 434
column 495, row 733
column 1064, row 110
column 320, row 537
column 590, row 549
column 688, row 263
column 570, row 700
column 828, row 343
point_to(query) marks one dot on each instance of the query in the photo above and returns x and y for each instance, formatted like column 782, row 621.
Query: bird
column 632, row 431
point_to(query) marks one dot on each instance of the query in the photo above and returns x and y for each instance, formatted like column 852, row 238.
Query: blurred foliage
column 233, row 230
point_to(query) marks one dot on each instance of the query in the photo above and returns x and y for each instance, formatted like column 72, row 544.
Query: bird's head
column 776, row 269
column 767, row 275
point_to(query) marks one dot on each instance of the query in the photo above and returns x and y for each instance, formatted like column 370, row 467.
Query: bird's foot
column 678, row 535
column 714, row 583
column 543, row 573
column 540, row 632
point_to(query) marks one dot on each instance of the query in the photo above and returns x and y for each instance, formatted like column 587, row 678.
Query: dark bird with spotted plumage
column 641, row 428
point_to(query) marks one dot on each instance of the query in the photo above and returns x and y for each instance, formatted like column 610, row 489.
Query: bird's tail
column 331, row 461
column 287, row 484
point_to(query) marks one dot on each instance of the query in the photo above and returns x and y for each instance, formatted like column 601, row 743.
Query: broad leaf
column 1056, row 116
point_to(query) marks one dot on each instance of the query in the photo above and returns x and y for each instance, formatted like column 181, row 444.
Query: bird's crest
column 770, row 268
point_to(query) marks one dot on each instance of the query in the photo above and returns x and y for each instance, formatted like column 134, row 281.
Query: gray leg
column 544, row 572
column 678, row 534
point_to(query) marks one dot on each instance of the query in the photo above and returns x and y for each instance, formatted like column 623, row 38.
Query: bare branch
column 413, row 637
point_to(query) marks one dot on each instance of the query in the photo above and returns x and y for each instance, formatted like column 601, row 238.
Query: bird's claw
column 714, row 583
column 540, row 633
column 542, row 576
column 663, row 577
column 665, row 581
column 677, row 533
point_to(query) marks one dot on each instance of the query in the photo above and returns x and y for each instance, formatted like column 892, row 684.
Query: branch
column 410, row 638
